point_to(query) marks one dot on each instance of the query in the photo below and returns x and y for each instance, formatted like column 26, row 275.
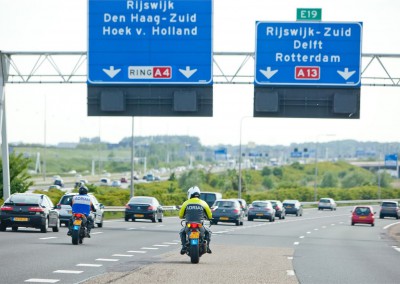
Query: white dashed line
column 308, row 232
column 301, row 237
column 323, row 227
column 290, row 257
column 68, row 271
column 37, row 280
column 296, row 243
column 96, row 233
column 107, row 259
column 148, row 248
column 170, row 243
column 131, row 229
column 332, row 224
column 161, row 245
column 136, row 251
column 48, row 238
column 89, row 265
column 290, row 272
column 315, row 229
column 123, row 255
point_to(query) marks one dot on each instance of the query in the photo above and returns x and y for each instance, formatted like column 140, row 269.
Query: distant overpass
column 374, row 166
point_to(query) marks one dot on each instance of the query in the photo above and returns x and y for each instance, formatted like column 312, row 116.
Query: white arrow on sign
column 112, row 72
column 346, row 74
column 268, row 73
column 188, row 72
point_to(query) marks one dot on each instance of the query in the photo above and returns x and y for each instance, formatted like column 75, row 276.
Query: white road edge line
column 37, row 280
column 390, row 225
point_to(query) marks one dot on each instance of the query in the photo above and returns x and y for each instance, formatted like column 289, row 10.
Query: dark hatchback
column 261, row 209
column 143, row 207
column 389, row 209
column 227, row 211
column 293, row 207
column 29, row 210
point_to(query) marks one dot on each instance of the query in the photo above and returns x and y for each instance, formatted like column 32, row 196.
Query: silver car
column 65, row 210
column 327, row 203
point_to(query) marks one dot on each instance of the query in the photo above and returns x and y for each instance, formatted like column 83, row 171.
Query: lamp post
column 240, row 158
column 132, row 187
column 316, row 164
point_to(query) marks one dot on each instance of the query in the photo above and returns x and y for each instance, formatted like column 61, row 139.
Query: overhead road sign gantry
column 308, row 54
column 150, row 42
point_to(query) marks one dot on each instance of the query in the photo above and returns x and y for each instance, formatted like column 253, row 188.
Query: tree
column 266, row 171
column 19, row 177
column 278, row 172
column 329, row 180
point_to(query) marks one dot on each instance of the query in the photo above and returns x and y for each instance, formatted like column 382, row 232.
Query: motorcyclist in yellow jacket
column 195, row 210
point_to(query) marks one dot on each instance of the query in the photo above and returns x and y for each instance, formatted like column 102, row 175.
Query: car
column 363, row 214
column 29, row 210
column 105, row 181
column 261, row 209
column 293, row 207
column 116, row 183
column 280, row 211
column 65, row 210
column 124, row 180
column 53, row 186
column 227, row 211
column 210, row 197
column 144, row 207
column 327, row 203
column 243, row 205
column 59, row 182
column 389, row 209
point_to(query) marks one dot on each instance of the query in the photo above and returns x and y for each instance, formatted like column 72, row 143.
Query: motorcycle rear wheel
column 194, row 254
column 75, row 237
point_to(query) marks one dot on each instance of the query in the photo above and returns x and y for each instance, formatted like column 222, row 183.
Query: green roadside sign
column 309, row 14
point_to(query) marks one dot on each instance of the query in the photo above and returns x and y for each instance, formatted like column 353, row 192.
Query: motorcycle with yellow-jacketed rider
column 195, row 237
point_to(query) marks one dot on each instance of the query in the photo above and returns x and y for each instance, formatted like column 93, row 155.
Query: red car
column 363, row 214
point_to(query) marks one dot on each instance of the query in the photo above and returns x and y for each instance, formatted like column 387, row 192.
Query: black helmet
column 83, row 190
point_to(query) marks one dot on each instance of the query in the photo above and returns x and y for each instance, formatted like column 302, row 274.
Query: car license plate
column 224, row 218
column 362, row 217
column 288, row 206
column 20, row 219
column 194, row 235
column 139, row 215
column 77, row 222
column 260, row 214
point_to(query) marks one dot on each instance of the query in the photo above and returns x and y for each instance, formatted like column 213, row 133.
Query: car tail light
column 267, row 209
column 236, row 211
column 151, row 208
column 127, row 206
column 251, row 208
column 7, row 208
column 36, row 209
column 277, row 208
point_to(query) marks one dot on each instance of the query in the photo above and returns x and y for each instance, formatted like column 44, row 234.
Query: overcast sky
column 61, row 25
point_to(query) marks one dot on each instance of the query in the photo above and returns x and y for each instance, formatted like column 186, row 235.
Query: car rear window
column 362, row 211
column 24, row 199
column 226, row 204
column 325, row 201
column 140, row 200
column 260, row 204
column 66, row 200
column 389, row 204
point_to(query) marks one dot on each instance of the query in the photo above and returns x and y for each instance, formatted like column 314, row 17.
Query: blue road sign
column 308, row 54
column 296, row 154
column 150, row 42
column 391, row 160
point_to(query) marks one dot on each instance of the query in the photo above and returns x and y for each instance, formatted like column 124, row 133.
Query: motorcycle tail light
column 78, row 215
column 194, row 225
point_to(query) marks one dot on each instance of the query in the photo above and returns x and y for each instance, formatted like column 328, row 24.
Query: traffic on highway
column 287, row 250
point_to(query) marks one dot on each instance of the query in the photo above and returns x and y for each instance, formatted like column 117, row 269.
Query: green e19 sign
column 309, row 14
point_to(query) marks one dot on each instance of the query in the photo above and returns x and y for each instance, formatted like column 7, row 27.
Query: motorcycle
column 78, row 229
column 196, row 245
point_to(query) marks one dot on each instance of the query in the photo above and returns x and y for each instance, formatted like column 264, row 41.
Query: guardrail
column 122, row 208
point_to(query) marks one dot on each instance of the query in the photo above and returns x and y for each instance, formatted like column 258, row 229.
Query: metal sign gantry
column 229, row 68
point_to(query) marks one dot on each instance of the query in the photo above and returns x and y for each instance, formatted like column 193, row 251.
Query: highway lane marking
column 160, row 245
column 96, row 233
column 301, row 237
column 148, row 248
column 89, row 265
column 308, row 232
column 131, row 229
column 38, row 280
column 390, row 225
column 290, row 257
column 332, row 224
column 48, row 238
column 323, row 227
column 315, row 229
column 296, row 243
column 107, row 259
column 136, row 251
column 396, row 248
column 167, row 243
column 123, row 255
column 68, row 271
column 290, row 272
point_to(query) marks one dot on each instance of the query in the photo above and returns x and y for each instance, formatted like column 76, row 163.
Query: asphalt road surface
column 319, row 247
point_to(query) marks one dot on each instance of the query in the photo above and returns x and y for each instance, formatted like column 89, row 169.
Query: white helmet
column 193, row 191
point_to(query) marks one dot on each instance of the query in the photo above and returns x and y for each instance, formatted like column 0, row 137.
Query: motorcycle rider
column 195, row 210
column 81, row 203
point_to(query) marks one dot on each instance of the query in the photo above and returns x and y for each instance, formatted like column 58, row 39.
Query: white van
column 210, row 197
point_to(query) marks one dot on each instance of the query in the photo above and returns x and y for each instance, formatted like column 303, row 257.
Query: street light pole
column 316, row 171
column 132, row 161
column 240, row 158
